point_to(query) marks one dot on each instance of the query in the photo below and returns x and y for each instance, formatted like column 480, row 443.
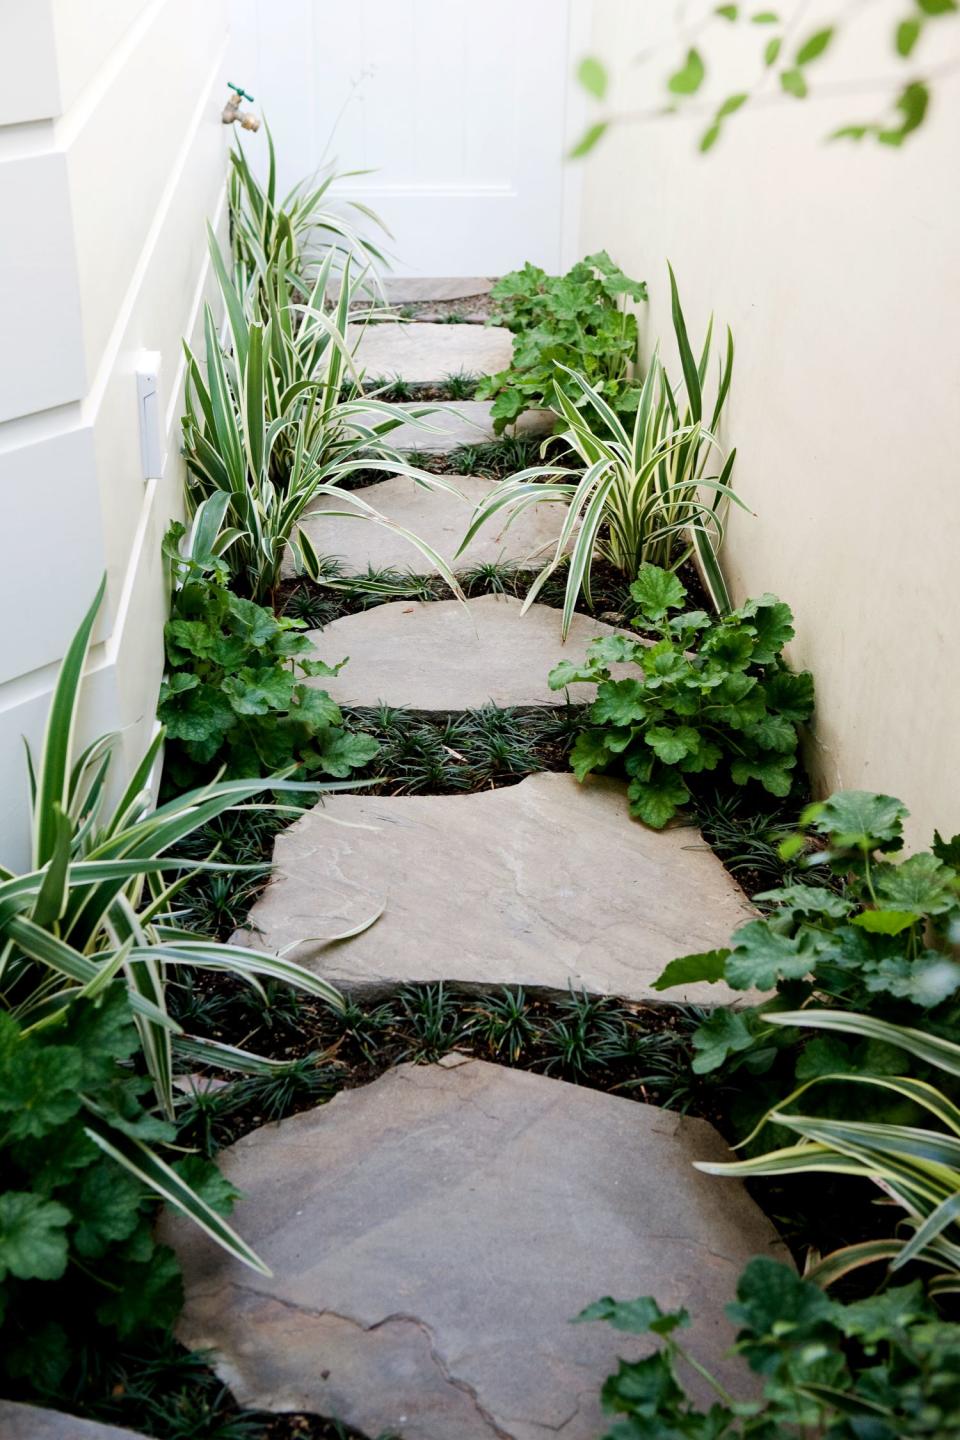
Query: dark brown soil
column 610, row 592
column 468, row 310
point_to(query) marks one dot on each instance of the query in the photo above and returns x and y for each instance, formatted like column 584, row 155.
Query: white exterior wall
column 836, row 266
column 112, row 157
column 455, row 116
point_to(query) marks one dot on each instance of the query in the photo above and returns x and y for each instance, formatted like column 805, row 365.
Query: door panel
column 458, row 108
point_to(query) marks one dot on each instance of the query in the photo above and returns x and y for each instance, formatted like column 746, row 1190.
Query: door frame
column 576, row 111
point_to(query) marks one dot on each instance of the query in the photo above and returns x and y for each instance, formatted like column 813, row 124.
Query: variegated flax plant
column 642, row 494
column 97, row 905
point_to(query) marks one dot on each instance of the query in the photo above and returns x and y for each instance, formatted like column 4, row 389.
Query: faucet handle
column 241, row 94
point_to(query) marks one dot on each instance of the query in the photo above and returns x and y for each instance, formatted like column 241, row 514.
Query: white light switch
column 148, row 404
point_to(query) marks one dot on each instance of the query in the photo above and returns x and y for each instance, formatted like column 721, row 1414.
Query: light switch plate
column 148, row 409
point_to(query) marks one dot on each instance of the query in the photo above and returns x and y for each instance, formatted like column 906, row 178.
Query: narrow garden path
column 432, row 1234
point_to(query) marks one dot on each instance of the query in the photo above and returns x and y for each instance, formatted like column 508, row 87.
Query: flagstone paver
column 30, row 1422
column 421, row 353
column 544, row 884
column 431, row 1236
column 451, row 655
column 407, row 290
column 435, row 516
column 457, row 422
column 415, row 289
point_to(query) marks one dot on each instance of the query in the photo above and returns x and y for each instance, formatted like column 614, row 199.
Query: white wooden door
column 461, row 108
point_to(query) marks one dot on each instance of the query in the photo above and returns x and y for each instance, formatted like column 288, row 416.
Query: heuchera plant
column 575, row 319
column 867, row 934
column 881, row 1368
column 77, row 1248
column 712, row 695
column 234, row 694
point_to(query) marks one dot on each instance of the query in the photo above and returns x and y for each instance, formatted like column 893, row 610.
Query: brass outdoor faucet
column 232, row 111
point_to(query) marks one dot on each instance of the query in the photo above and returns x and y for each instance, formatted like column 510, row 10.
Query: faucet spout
column 232, row 113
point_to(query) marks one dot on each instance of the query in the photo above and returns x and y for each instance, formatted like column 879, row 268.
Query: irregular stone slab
column 476, row 316
column 422, row 353
column 447, row 655
column 544, row 884
column 436, row 517
column 432, row 1235
column 411, row 289
column 415, row 289
column 458, row 422
column 30, row 1422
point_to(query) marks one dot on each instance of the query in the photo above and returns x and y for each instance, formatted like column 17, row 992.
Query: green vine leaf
column 907, row 35
column 590, row 137
column 732, row 104
column 772, row 50
column 793, row 83
column 688, row 79
column 593, row 76
column 912, row 102
column 813, row 47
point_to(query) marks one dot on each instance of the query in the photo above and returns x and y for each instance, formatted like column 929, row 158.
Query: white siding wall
column 111, row 159
column 836, row 266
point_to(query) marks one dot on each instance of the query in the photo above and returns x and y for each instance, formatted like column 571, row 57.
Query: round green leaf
column 688, row 79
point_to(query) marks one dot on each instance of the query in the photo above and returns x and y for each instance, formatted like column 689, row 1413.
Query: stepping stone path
column 451, row 655
column 29, row 1422
column 439, row 518
column 432, row 1234
column 454, row 423
column 497, row 888
column 425, row 353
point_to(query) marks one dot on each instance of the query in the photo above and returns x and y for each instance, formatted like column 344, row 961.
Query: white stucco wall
column 112, row 157
column 837, row 268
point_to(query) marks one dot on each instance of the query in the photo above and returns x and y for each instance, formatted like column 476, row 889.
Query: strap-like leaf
column 164, row 1182
column 944, row 1054
column 52, row 787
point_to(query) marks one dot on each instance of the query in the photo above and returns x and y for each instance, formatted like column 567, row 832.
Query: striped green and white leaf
column 642, row 496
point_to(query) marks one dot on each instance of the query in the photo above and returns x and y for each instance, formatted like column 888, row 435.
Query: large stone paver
column 435, row 516
column 544, row 884
column 411, row 289
column 450, row 655
column 457, row 422
column 421, row 352
column 414, row 289
column 432, row 1235
column 29, row 1422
